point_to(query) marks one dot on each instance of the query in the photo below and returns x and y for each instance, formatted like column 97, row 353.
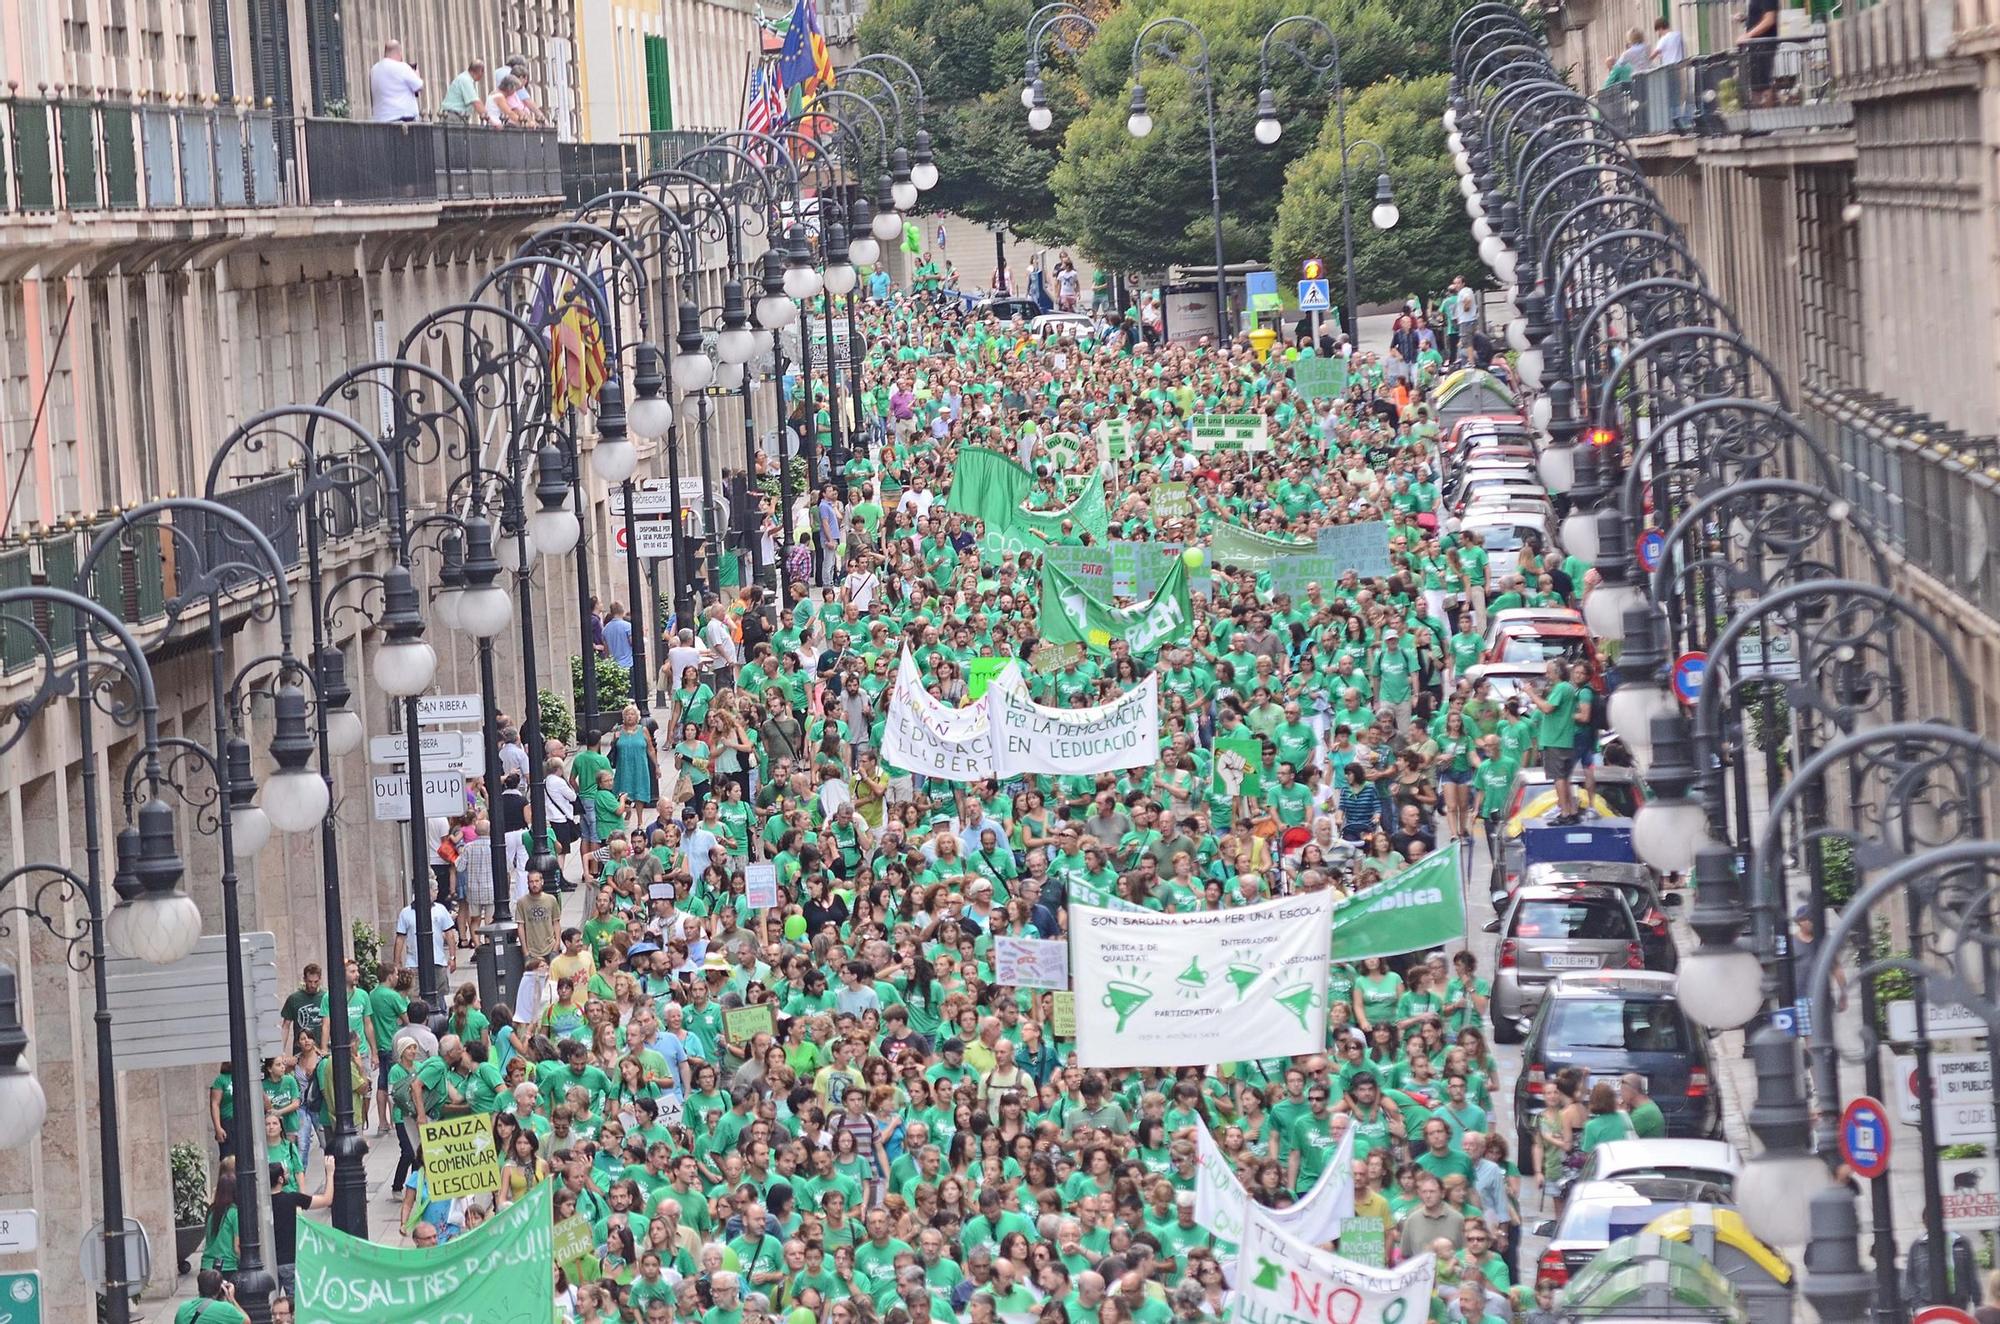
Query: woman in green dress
column 632, row 759
column 220, row 1249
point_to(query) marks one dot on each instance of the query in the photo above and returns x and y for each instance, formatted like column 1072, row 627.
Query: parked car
column 1503, row 531
column 1550, row 931
column 1476, row 427
column 1541, row 637
column 1642, row 896
column 1600, row 1212
column 1712, row 1161
column 1506, row 677
column 1061, row 324
column 1008, row 307
column 1608, row 1023
column 1532, row 798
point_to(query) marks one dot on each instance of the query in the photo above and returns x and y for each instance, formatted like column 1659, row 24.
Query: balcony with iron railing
column 137, row 576
column 67, row 154
column 1766, row 85
column 62, row 155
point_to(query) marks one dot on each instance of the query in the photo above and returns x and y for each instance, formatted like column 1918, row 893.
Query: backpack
column 400, row 1094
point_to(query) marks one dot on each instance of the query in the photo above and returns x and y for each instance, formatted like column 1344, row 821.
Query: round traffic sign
column 1687, row 674
column 1942, row 1315
column 1864, row 1137
column 1651, row 544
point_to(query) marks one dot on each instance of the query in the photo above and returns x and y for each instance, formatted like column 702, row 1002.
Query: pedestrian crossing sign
column 1314, row 296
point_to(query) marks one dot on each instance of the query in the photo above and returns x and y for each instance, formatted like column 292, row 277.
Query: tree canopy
column 1137, row 203
column 1431, row 242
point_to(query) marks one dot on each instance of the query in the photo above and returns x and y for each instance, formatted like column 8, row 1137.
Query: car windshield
column 1638, row 1026
column 1500, row 538
column 1595, row 920
column 1542, row 647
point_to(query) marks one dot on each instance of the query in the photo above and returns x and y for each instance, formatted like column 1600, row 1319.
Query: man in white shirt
column 721, row 646
column 1669, row 47
column 444, row 955
column 393, row 86
column 1468, row 313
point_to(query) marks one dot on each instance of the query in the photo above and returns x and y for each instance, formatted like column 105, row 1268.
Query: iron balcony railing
column 1764, row 85
column 366, row 162
column 1932, row 492
column 592, row 169
column 69, row 154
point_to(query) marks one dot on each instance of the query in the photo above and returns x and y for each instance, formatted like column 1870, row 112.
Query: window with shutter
column 659, row 86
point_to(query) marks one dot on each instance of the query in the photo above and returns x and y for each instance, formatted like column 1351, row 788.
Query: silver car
column 1548, row 932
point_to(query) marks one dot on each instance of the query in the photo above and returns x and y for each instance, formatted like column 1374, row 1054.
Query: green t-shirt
column 1558, row 727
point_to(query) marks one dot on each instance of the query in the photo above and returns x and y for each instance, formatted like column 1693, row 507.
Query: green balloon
column 1193, row 558
column 795, row 927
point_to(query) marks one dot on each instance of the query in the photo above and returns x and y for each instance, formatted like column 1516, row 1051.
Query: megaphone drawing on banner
column 1124, row 997
column 1298, row 1002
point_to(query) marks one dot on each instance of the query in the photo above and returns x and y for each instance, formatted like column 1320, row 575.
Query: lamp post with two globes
column 1325, row 68
column 153, row 920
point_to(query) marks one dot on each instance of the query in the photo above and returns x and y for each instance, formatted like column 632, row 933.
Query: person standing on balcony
column 1669, row 47
column 462, row 99
column 393, row 87
column 500, row 110
column 520, row 98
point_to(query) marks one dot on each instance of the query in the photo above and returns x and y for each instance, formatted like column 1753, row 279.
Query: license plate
column 1645, row 1083
column 1572, row 961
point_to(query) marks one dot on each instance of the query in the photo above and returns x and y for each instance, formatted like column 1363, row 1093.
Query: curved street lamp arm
column 1166, row 50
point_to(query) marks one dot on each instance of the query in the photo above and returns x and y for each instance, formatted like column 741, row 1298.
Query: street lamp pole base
column 498, row 962
column 350, row 1183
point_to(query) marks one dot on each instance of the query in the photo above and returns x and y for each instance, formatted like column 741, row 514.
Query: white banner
column 1028, row 737
column 1158, row 990
column 1030, row 962
column 925, row 735
column 1220, row 1200
column 1281, row 1280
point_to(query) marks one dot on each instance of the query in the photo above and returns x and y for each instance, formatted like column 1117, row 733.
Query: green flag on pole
column 498, row 1271
column 1421, row 907
column 991, row 487
column 1070, row 615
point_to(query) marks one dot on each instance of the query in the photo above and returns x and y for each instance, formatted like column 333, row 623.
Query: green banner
column 1086, row 514
column 1419, row 908
column 1239, row 766
column 498, row 1271
column 1069, row 614
column 1320, row 378
column 1246, row 549
column 991, row 487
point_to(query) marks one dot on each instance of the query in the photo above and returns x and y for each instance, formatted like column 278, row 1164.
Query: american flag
column 763, row 101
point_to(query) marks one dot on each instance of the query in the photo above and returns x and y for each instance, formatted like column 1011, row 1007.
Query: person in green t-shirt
column 1644, row 1114
column 1607, row 1120
column 1557, row 702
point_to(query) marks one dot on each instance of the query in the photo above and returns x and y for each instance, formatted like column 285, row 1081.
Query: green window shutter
column 659, row 85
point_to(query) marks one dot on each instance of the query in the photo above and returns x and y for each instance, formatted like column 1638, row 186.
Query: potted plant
column 189, row 1165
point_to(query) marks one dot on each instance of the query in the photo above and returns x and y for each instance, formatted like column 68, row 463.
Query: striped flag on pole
column 763, row 104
